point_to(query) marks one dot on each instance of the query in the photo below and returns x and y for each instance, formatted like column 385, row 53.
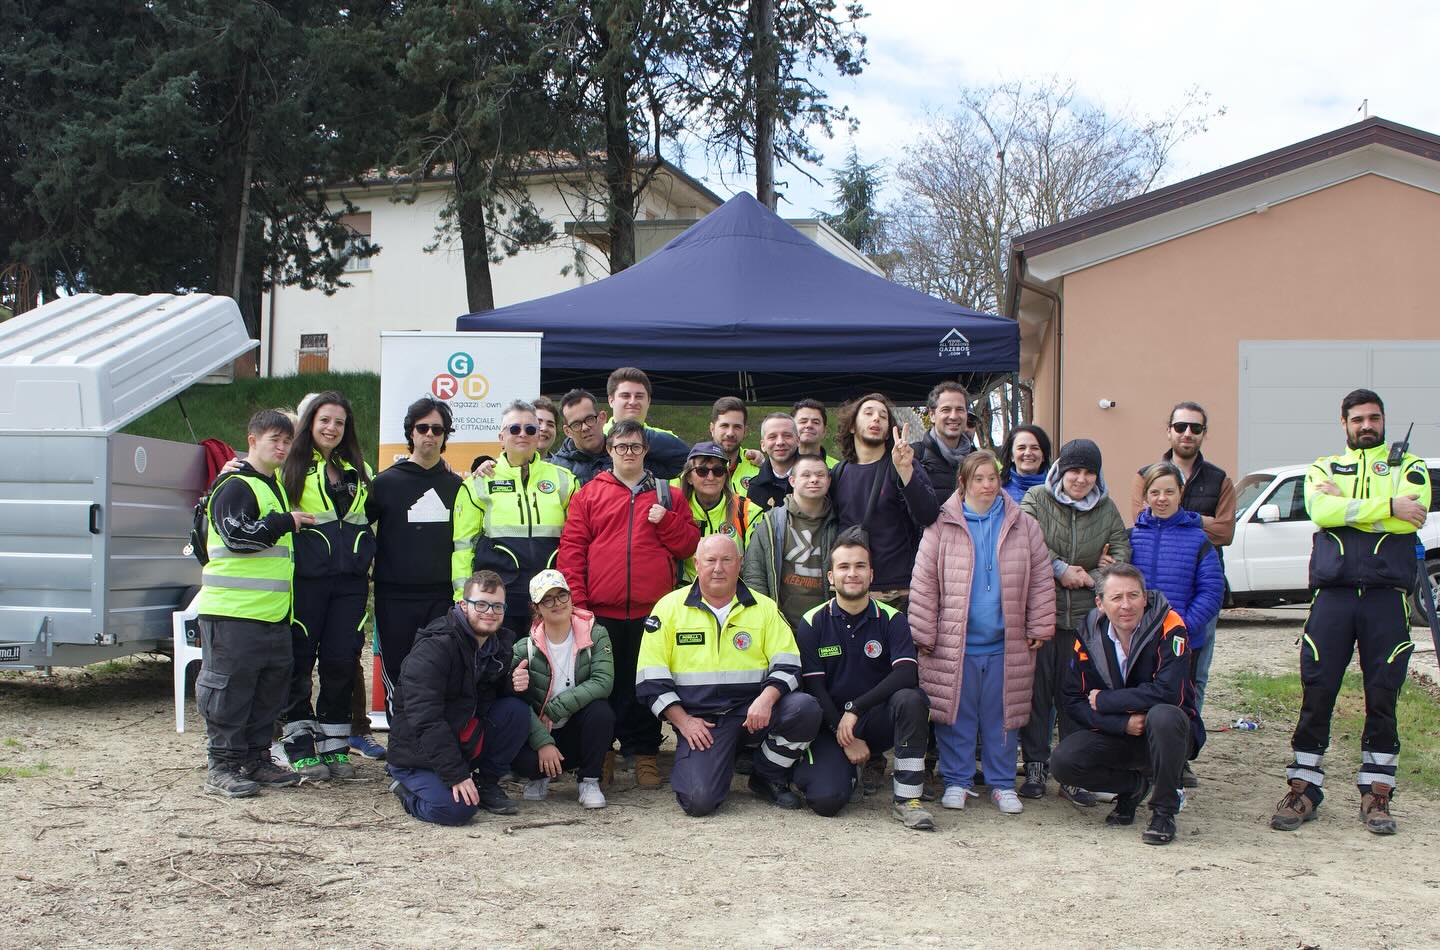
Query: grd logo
column 460, row 379
column 954, row 343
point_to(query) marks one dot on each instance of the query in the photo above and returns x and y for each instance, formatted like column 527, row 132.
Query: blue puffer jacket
column 1179, row 561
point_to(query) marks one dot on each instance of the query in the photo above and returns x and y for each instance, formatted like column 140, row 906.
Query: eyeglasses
column 709, row 471
column 555, row 599
column 427, row 428
column 486, row 606
column 516, row 428
column 627, row 448
column 1196, row 428
column 581, row 424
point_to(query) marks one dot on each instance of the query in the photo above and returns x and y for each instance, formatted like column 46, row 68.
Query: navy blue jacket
column 1178, row 560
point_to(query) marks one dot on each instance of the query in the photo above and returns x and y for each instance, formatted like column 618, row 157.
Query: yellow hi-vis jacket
column 251, row 584
column 686, row 657
column 510, row 521
column 1360, row 542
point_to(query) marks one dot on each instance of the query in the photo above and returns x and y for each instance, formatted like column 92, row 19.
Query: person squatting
column 792, row 615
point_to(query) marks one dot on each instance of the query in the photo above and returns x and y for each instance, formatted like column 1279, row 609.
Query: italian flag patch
column 1178, row 645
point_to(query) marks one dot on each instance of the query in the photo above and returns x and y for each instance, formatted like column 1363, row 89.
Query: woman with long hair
column 326, row 475
column 1024, row 460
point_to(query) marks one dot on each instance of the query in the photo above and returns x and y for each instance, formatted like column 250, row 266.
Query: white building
column 406, row 287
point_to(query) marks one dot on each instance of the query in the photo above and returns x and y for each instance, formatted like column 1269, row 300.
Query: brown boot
column 647, row 771
column 1375, row 810
column 1295, row 808
column 607, row 771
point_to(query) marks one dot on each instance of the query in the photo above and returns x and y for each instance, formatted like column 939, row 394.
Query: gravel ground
column 114, row 845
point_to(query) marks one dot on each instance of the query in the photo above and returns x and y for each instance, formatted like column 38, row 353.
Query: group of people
column 792, row 615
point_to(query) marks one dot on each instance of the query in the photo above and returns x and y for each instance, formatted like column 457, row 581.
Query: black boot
column 1125, row 805
column 778, row 795
column 1162, row 828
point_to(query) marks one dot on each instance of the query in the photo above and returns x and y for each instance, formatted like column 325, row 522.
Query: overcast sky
column 1283, row 71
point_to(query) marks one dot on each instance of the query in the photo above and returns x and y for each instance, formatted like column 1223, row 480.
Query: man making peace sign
column 894, row 512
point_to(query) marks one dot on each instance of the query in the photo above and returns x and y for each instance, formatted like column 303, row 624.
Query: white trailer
column 94, row 524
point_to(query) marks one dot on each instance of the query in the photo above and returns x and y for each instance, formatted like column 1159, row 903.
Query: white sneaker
column 590, row 794
column 536, row 789
column 1006, row 800
column 954, row 797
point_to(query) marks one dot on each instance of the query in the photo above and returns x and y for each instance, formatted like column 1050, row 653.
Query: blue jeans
column 981, row 714
column 505, row 725
column 1200, row 669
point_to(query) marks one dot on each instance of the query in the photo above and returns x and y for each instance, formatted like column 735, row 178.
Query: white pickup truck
column 1268, row 563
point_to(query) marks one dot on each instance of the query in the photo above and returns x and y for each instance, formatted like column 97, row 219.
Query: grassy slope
column 221, row 412
column 1275, row 700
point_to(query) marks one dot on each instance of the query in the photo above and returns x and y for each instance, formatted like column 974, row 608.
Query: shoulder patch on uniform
column 652, row 623
column 1177, row 644
column 690, row 639
column 1415, row 477
column 833, row 649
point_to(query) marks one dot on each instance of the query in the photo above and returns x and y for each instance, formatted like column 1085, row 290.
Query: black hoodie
column 411, row 508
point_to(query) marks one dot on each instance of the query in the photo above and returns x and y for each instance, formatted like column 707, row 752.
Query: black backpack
column 199, row 546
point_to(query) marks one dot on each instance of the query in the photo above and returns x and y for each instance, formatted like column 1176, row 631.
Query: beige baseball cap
column 544, row 582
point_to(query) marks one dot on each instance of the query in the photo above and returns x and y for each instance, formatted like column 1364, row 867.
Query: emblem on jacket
column 872, row 648
column 1380, row 468
column 741, row 640
column 545, row 485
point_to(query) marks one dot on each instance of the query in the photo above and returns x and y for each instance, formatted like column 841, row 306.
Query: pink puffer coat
column 940, row 606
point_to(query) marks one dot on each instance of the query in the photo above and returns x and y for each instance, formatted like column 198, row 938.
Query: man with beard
column 778, row 441
column 728, row 419
column 878, row 487
column 949, row 440
column 1362, row 566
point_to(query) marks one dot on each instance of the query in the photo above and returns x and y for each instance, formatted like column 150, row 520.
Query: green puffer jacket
column 594, row 675
column 1076, row 536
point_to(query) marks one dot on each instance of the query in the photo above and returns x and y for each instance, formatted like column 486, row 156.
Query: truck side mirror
column 1268, row 514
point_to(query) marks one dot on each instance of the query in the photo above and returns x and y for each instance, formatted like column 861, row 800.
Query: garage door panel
column 1290, row 394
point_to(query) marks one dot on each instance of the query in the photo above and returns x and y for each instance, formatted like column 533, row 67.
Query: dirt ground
column 114, row 845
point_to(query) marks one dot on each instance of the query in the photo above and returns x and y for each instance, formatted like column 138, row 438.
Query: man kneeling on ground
column 457, row 724
column 859, row 662
column 1128, row 688
column 718, row 662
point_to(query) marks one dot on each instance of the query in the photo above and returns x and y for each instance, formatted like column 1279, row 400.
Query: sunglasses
column 709, row 471
column 579, row 425
column 516, row 428
column 555, row 599
column 486, row 606
column 426, row 428
column 1196, row 428
column 627, row 448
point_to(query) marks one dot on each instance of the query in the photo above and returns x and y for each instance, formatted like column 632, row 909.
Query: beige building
column 1264, row 291
column 417, row 281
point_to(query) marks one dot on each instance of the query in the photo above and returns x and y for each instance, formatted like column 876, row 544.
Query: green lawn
column 221, row 412
column 1276, row 700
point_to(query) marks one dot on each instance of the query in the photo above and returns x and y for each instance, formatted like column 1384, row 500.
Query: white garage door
column 1290, row 392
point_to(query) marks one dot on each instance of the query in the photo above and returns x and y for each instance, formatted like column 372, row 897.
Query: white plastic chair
column 186, row 650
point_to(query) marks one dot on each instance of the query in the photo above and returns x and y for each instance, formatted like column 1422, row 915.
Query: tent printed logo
column 954, row 343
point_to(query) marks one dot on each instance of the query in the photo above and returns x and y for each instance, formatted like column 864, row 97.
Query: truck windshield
column 1249, row 490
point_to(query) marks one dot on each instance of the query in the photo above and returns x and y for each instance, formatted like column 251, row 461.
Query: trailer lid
column 91, row 363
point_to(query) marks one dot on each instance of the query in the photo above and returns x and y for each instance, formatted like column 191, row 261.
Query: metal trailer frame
column 94, row 524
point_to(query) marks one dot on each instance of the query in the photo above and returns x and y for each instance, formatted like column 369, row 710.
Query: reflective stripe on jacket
column 254, row 585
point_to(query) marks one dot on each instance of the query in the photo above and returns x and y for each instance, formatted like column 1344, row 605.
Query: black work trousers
column 825, row 776
column 399, row 615
column 1046, row 698
column 582, row 741
column 635, row 725
column 241, row 690
column 1103, row 762
column 1377, row 621
column 328, row 631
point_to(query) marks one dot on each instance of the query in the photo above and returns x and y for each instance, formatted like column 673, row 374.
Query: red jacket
column 617, row 563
